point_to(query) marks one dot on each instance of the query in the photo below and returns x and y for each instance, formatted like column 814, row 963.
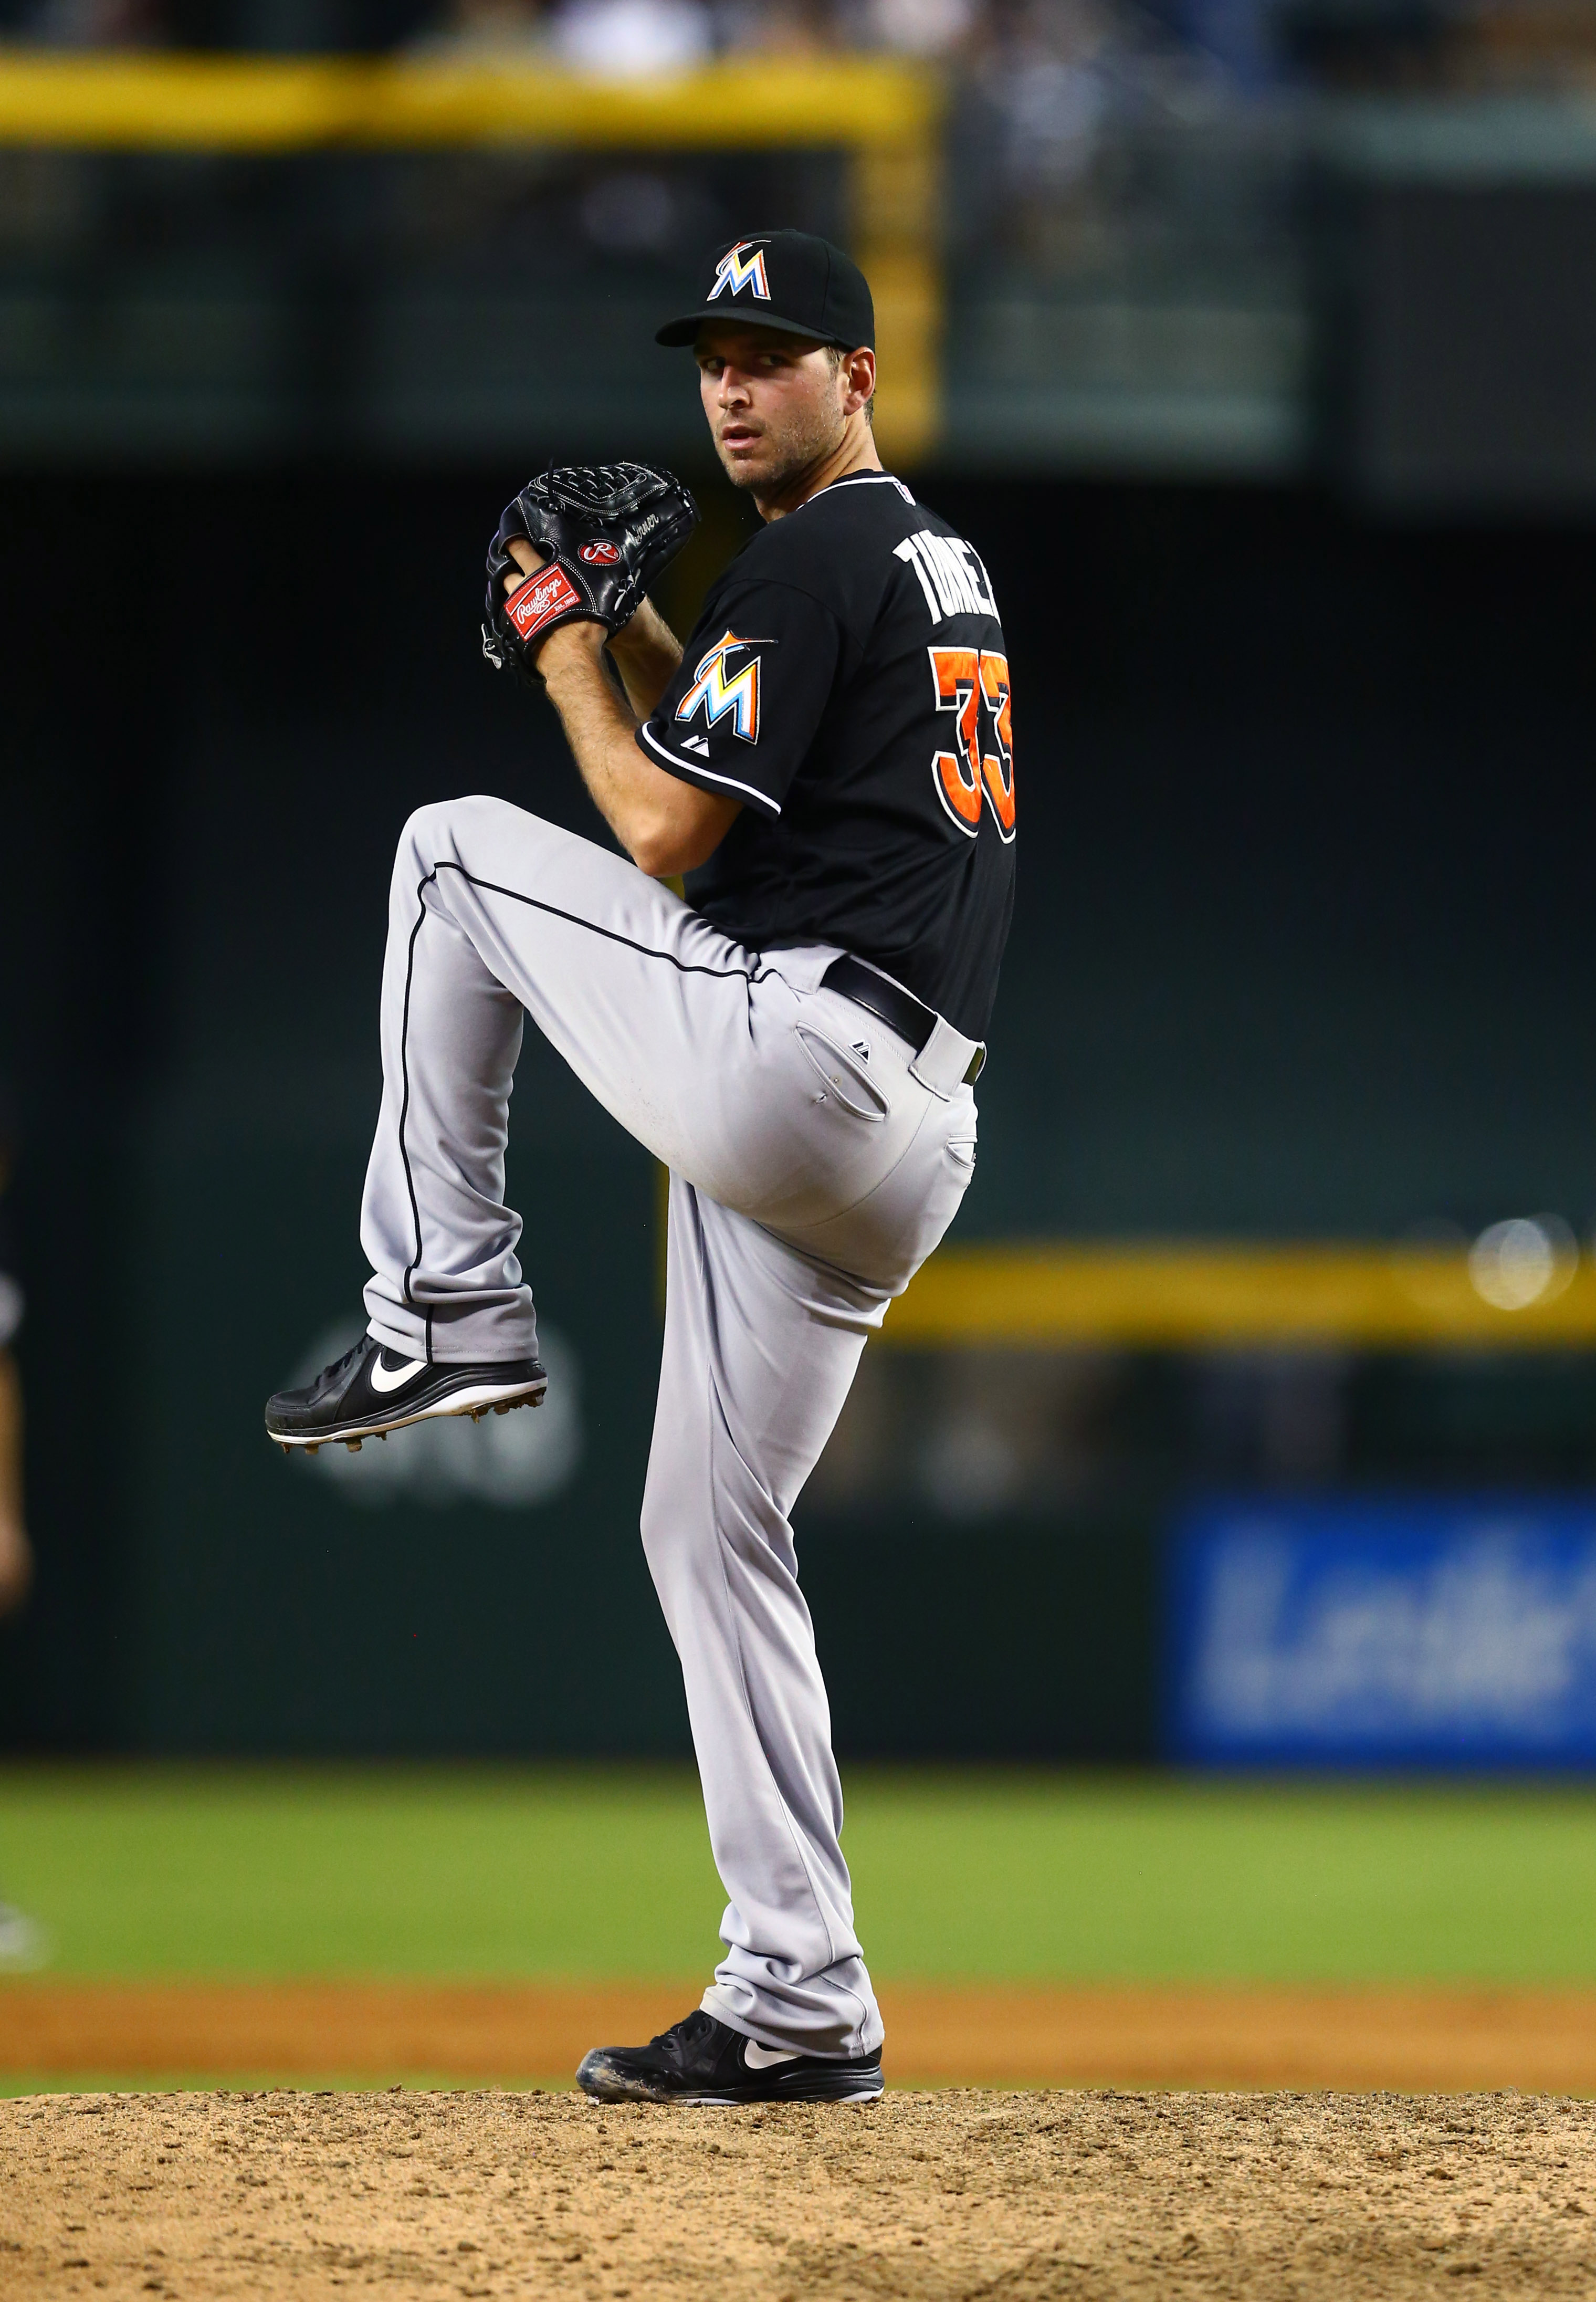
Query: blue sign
column 1383, row 1632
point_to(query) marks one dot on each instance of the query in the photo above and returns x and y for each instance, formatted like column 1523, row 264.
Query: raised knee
column 428, row 832
column 440, row 830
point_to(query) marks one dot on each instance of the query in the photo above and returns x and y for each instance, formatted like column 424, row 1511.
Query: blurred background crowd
column 1089, row 138
column 1057, row 60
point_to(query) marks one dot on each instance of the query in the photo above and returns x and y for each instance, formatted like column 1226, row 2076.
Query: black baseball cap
column 793, row 281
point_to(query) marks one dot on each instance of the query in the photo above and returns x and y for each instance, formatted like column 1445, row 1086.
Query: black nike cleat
column 701, row 2059
column 372, row 1390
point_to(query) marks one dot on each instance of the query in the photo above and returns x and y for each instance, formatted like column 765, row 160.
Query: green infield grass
column 605, row 1873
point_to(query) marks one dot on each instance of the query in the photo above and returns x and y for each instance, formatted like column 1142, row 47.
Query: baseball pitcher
column 830, row 765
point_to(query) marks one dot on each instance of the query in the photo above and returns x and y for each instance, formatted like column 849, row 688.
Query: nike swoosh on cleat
column 383, row 1378
column 765, row 2058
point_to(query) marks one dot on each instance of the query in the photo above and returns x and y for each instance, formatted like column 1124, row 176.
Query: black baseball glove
column 607, row 531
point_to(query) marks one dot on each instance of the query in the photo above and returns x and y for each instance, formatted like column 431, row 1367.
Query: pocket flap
column 844, row 1075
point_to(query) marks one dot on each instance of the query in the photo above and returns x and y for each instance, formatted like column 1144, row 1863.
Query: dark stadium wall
column 1302, row 927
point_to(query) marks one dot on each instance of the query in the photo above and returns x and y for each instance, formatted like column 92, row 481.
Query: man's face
column 776, row 404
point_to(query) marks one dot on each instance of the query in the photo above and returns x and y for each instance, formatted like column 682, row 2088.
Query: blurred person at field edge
column 633, row 39
column 16, row 1556
column 16, row 1553
column 19, row 1937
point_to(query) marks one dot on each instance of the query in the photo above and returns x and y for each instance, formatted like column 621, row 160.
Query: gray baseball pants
column 814, row 1163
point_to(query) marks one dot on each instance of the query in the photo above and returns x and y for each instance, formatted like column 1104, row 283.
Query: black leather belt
column 898, row 1009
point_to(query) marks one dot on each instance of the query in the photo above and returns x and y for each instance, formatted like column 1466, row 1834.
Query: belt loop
column 943, row 1064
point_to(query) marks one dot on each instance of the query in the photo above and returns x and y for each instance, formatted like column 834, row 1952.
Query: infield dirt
column 939, row 2196
column 1214, row 2036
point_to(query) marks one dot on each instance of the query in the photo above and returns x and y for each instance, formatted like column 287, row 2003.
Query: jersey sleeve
column 748, row 698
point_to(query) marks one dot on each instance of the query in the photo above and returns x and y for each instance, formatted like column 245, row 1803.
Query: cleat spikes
column 365, row 1395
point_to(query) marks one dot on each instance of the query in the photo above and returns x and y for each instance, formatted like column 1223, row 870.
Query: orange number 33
column 965, row 677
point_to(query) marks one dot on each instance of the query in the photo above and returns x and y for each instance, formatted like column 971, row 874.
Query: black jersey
column 848, row 682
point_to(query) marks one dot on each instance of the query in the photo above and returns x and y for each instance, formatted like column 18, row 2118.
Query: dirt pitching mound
column 1096, row 2196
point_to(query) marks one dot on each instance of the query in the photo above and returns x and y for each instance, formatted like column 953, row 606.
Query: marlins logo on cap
column 737, row 271
column 790, row 281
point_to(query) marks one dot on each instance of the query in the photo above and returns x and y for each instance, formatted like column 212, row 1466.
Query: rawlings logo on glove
column 540, row 599
column 607, row 531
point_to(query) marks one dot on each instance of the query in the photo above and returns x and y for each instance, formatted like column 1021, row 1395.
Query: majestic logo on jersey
column 964, row 679
column 717, row 692
column 600, row 554
column 737, row 271
column 542, row 598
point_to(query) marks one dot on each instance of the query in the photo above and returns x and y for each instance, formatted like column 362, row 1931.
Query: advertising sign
column 1416, row 1631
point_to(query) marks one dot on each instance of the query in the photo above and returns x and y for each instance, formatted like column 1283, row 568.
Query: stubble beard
column 800, row 451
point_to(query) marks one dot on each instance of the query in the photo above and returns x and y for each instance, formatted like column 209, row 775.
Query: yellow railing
column 258, row 104
column 885, row 115
column 1185, row 1296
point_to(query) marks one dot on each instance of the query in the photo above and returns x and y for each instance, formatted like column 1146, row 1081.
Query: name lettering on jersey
column 715, row 692
column 964, row 679
column 737, row 271
column 951, row 575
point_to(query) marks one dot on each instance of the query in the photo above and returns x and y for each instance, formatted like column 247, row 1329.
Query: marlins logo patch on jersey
column 716, row 691
column 737, row 270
